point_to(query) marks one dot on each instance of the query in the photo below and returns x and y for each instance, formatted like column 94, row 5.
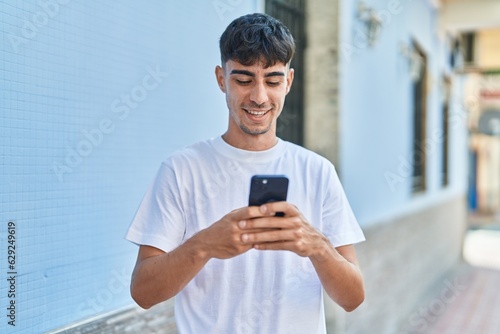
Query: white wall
column 84, row 125
column 376, row 112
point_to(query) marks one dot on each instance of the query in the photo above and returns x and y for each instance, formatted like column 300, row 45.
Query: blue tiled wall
column 93, row 95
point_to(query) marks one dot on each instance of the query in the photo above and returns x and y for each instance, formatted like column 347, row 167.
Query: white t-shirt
column 258, row 291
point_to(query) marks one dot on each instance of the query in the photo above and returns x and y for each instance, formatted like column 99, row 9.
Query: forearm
column 341, row 279
column 158, row 278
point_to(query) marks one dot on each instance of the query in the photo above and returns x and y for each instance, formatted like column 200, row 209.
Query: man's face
column 255, row 96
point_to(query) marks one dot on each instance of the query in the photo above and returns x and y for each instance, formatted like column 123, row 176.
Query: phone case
column 268, row 188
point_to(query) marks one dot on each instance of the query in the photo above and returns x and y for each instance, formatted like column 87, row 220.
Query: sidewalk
column 473, row 306
column 475, row 309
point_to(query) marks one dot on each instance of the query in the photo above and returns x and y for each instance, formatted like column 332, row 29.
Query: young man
column 235, row 268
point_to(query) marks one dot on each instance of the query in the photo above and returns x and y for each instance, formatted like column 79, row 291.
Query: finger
column 271, row 222
column 247, row 212
column 277, row 245
column 287, row 208
column 269, row 236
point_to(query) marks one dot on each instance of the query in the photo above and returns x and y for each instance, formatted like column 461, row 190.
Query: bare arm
column 337, row 268
column 340, row 275
column 159, row 276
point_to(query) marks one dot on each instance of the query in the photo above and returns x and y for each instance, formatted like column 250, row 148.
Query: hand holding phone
column 268, row 188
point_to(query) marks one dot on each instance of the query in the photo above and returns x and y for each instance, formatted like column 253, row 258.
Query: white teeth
column 257, row 113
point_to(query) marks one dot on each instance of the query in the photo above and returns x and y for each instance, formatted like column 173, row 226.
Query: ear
column 219, row 74
column 289, row 80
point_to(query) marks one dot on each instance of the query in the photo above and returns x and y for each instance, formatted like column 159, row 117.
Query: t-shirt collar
column 248, row 156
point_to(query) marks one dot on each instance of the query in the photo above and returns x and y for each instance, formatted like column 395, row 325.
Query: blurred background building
column 403, row 96
column 481, row 64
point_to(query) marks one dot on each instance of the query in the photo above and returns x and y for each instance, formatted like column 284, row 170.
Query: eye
column 243, row 82
column 274, row 83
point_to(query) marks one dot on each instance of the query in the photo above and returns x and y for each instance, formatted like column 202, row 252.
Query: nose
column 258, row 95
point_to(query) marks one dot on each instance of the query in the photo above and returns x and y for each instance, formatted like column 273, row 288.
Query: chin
column 255, row 132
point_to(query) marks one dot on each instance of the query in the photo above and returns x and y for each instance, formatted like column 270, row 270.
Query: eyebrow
column 250, row 74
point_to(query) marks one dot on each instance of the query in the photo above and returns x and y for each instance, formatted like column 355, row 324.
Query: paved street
column 473, row 307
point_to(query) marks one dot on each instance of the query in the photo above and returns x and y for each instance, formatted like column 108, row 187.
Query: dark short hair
column 257, row 37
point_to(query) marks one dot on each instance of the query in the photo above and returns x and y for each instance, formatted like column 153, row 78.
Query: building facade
column 96, row 95
column 401, row 148
column 482, row 95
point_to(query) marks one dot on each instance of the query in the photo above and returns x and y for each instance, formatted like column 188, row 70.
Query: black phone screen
column 268, row 188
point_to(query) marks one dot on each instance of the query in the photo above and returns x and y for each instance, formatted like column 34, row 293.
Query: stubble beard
column 249, row 131
column 258, row 131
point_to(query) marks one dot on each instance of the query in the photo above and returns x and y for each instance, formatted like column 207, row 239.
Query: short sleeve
column 339, row 223
column 159, row 220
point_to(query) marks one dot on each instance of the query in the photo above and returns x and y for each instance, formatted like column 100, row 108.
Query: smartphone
column 268, row 188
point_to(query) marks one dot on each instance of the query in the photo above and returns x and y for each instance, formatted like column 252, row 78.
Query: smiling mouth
column 257, row 113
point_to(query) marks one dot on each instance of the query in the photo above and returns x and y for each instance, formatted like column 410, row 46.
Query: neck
column 251, row 142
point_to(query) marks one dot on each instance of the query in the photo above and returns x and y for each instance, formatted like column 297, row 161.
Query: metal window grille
column 292, row 13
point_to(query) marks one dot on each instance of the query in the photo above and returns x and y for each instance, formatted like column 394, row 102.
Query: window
column 445, row 124
column 419, row 121
column 291, row 13
column 468, row 40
